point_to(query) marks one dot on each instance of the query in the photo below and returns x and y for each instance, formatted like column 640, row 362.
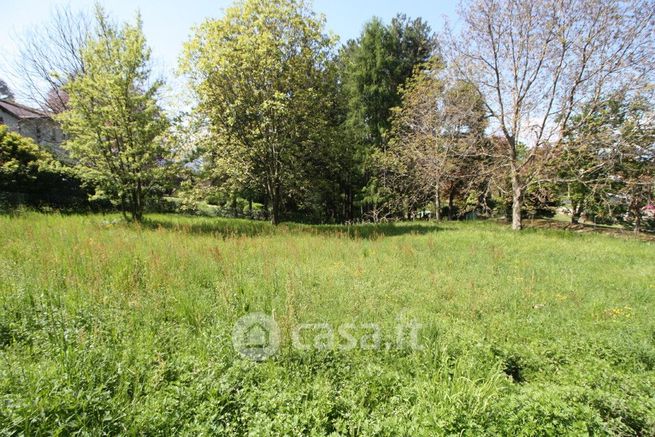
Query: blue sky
column 167, row 23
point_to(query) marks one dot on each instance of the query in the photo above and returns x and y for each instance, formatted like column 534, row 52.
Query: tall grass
column 113, row 328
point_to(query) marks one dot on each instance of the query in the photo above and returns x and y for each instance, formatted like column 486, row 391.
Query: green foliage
column 265, row 81
column 541, row 201
column 115, row 328
column 607, row 167
column 31, row 176
column 373, row 70
column 377, row 65
column 113, row 122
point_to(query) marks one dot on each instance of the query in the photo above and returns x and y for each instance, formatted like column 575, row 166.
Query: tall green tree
column 264, row 78
column 374, row 67
column 378, row 63
column 113, row 121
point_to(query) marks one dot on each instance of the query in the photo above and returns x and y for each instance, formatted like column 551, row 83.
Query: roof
column 21, row 111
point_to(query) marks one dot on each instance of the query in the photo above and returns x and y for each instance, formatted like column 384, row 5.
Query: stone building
column 33, row 123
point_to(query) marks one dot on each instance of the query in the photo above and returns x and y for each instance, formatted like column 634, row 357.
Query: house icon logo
column 256, row 336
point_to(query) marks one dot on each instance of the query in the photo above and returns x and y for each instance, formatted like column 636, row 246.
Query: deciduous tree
column 113, row 120
column 436, row 138
column 264, row 78
column 537, row 63
column 51, row 54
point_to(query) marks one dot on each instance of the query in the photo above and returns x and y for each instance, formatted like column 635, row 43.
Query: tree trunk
column 351, row 204
column 137, row 207
column 637, row 221
column 265, row 208
column 234, row 205
column 517, row 200
column 134, row 211
column 437, row 203
column 451, row 194
column 275, row 213
column 124, row 207
column 575, row 216
column 275, row 202
column 576, row 212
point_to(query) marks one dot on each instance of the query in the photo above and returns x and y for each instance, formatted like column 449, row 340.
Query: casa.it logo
column 256, row 336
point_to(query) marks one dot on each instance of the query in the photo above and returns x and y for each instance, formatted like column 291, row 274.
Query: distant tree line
column 528, row 106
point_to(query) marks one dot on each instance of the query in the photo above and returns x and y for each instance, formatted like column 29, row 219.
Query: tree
column 113, row 120
column 583, row 166
column 606, row 167
column 538, row 63
column 51, row 55
column 435, row 139
column 5, row 91
column 264, row 78
column 378, row 64
column 373, row 69
column 56, row 100
column 582, row 174
column 635, row 163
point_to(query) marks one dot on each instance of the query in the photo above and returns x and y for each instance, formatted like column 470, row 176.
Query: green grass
column 113, row 328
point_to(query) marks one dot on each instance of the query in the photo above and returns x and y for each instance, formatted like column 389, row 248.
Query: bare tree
column 436, row 134
column 50, row 56
column 538, row 62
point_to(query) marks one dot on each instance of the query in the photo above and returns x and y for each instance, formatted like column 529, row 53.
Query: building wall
column 44, row 131
column 9, row 120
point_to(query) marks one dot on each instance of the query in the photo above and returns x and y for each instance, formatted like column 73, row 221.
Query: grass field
column 113, row 328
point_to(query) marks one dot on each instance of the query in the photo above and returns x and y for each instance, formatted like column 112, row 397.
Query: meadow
column 115, row 328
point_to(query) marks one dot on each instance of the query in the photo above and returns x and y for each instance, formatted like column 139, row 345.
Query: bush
column 31, row 176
